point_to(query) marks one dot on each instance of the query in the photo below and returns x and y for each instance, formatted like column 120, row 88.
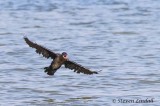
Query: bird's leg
column 49, row 70
column 45, row 67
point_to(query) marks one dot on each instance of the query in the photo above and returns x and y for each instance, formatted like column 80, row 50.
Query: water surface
column 120, row 37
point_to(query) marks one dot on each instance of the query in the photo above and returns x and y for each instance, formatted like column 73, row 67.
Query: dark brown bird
column 58, row 60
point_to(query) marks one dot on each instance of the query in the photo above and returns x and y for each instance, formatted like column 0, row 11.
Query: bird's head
column 64, row 54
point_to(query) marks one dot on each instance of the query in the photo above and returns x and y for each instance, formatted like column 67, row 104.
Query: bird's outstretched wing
column 78, row 68
column 40, row 49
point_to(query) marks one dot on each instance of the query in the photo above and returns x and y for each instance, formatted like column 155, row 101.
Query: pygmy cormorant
column 58, row 60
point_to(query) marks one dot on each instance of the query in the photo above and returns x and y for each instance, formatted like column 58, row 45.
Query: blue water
column 119, row 37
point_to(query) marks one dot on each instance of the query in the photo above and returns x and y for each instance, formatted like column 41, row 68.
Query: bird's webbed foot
column 46, row 69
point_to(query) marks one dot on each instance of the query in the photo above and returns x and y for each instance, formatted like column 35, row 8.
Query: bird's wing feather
column 78, row 68
column 40, row 49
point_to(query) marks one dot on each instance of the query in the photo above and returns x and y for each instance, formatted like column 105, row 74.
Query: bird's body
column 55, row 65
column 58, row 60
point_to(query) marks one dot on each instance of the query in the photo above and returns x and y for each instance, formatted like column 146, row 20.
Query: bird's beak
column 65, row 57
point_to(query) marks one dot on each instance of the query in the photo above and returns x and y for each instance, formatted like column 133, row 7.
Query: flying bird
column 58, row 60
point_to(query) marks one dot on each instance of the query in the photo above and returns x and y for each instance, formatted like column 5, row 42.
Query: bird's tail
column 49, row 70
